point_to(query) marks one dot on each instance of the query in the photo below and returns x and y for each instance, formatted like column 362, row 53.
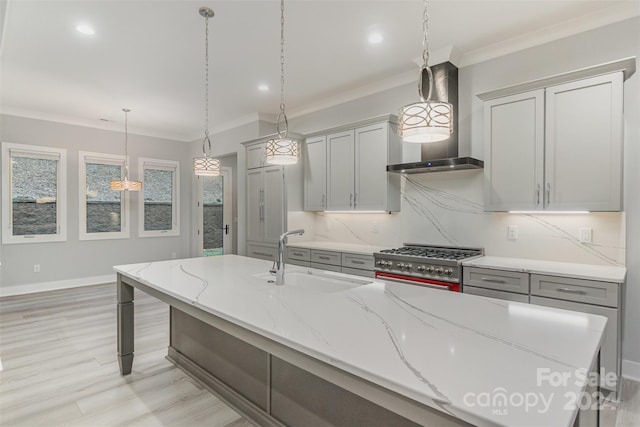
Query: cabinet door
column 255, row 156
column 583, row 157
column 371, row 159
column 514, row 152
column 273, row 202
column 340, row 172
column 315, row 174
column 254, row 205
column 609, row 351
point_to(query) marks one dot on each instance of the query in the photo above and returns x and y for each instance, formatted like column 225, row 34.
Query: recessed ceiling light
column 85, row 29
column 263, row 88
column 375, row 38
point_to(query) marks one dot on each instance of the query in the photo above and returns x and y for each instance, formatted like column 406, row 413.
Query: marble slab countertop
column 338, row 247
column 566, row 269
column 454, row 352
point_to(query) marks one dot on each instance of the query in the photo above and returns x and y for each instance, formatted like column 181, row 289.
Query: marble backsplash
column 447, row 209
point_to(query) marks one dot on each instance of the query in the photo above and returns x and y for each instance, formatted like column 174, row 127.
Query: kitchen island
column 327, row 348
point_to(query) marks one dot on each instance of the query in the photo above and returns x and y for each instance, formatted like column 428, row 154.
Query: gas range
column 425, row 263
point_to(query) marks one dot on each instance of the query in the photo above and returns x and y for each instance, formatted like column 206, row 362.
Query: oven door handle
column 437, row 285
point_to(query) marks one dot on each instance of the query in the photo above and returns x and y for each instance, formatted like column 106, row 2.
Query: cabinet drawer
column 328, row 267
column 491, row 293
column 302, row 254
column 580, row 290
column 299, row 262
column 609, row 350
column 362, row 262
column 358, row 272
column 326, row 257
column 263, row 252
column 499, row 280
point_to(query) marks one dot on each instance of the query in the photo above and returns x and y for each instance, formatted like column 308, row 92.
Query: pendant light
column 427, row 120
column 125, row 184
column 206, row 166
column 282, row 150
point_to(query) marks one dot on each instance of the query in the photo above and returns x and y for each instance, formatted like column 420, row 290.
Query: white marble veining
column 565, row 269
column 447, row 350
column 339, row 247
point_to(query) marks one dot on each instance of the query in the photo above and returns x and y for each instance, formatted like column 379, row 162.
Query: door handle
column 226, row 229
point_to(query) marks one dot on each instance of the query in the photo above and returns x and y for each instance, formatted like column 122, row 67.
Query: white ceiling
column 148, row 55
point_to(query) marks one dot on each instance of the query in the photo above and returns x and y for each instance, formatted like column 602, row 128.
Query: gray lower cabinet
column 262, row 251
column 341, row 262
column 582, row 295
column 491, row 293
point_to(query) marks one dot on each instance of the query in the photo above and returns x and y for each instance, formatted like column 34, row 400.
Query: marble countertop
column 338, row 247
column 451, row 351
column 565, row 269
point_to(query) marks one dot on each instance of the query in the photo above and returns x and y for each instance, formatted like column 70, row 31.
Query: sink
column 315, row 280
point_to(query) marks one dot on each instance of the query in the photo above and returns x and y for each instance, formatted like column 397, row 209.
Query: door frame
column 227, row 212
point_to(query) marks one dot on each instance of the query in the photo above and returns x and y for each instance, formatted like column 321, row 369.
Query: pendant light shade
column 282, row 150
column 124, row 184
column 425, row 121
column 205, row 165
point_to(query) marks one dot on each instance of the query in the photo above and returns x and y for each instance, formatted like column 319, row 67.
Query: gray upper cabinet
column 355, row 175
column 314, row 153
column 557, row 148
column 255, row 156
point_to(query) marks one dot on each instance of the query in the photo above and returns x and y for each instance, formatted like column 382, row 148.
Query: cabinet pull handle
column 487, row 279
column 355, row 261
column 262, row 254
column 323, row 201
column 324, row 257
column 355, row 197
column 572, row 291
column 538, row 195
column 297, row 253
column 350, row 199
column 548, row 193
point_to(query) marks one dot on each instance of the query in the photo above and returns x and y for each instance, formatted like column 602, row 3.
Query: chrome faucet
column 278, row 263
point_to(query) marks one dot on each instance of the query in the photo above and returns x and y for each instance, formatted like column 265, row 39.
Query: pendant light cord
column 425, row 57
column 206, row 142
column 282, row 115
column 126, row 144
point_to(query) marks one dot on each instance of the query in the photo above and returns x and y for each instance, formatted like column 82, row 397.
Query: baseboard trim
column 30, row 288
column 631, row 370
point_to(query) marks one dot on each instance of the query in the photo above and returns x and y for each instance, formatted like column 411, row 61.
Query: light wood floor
column 58, row 354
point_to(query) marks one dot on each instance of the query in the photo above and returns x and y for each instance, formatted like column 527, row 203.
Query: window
column 104, row 213
column 33, row 194
column 159, row 209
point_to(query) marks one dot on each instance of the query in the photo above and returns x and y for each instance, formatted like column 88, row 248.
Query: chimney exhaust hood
column 443, row 155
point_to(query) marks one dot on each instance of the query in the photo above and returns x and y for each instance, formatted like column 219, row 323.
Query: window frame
column 160, row 164
column 125, row 223
column 61, row 193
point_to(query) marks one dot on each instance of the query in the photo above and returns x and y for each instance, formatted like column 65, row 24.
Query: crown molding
column 596, row 19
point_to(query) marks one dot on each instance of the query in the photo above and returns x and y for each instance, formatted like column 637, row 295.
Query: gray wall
column 74, row 259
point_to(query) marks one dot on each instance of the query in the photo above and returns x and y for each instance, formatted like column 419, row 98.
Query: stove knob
column 408, row 267
column 400, row 265
column 389, row 264
column 448, row 272
column 421, row 269
column 439, row 271
column 379, row 263
column 430, row 270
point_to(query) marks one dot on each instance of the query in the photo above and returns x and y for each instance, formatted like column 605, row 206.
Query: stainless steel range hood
column 441, row 156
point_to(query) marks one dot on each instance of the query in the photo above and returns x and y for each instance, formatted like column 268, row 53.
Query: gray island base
column 313, row 353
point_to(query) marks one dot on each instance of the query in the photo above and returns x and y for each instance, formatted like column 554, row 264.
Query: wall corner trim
column 30, row 288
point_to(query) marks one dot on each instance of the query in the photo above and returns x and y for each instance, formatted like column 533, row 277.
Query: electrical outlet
column 374, row 227
column 586, row 235
column 36, row 268
column 174, row 255
column 512, row 232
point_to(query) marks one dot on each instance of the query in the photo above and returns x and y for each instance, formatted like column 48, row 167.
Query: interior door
column 215, row 212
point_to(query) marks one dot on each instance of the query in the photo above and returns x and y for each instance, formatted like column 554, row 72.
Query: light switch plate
column 586, row 235
column 512, row 232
